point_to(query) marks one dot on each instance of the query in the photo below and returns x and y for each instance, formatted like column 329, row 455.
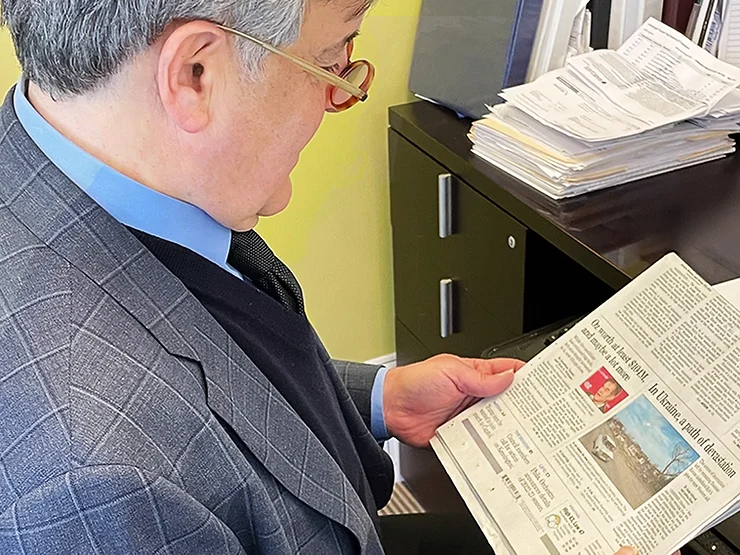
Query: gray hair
column 70, row 47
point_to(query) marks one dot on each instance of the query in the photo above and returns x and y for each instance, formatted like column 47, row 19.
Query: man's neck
column 95, row 124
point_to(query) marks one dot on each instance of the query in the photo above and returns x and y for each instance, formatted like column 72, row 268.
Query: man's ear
column 186, row 74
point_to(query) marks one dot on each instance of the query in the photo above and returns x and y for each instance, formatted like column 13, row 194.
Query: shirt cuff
column 377, row 418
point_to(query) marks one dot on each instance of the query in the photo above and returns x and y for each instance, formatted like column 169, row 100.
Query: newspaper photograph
column 639, row 451
column 623, row 432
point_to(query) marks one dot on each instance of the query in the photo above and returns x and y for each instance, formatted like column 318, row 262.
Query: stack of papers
column 657, row 104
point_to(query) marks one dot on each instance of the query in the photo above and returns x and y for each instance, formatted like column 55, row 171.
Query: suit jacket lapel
column 63, row 217
column 242, row 396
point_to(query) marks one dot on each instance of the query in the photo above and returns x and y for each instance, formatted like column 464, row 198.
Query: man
column 608, row 391
column 162, row 390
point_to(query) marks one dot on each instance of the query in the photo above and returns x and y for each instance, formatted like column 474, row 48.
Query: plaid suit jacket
column 130, row 422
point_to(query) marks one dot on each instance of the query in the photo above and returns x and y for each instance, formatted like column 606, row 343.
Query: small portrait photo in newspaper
column 639, row 451
column 604, row 391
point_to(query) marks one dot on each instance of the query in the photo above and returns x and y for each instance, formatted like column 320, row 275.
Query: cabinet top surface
column 616, row 233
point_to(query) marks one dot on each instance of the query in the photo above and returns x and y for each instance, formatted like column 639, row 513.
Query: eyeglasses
column 347, row 88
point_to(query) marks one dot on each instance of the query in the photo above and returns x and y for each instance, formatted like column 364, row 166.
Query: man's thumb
column 479, row 384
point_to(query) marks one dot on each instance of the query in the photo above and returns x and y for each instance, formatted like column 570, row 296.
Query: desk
column 519, row 260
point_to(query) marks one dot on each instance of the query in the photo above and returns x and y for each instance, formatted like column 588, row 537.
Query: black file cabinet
column 467, row 275
column 458, row 260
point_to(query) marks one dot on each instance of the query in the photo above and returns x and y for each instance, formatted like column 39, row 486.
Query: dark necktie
column 250, row 255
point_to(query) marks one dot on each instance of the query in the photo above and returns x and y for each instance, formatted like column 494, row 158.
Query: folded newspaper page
column 625, row 431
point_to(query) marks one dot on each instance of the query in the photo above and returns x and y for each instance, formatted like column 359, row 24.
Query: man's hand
column 419, row 398
column 630, row 551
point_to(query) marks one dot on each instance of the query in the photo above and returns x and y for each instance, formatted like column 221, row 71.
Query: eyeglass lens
column 357, row 74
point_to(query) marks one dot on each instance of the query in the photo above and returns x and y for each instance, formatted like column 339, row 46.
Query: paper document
column 580, row 35
column 625, row 431
column 728, row 106
column 658, row 77
column 669, row 57
column 730, row 290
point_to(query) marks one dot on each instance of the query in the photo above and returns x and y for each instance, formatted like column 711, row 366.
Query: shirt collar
column 128, row 201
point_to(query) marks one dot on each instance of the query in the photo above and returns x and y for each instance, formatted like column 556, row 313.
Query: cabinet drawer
column 483, row 254
column 472, row 328
column 486, row 254
column 408, row 348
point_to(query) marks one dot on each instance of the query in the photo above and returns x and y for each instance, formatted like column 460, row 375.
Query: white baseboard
column 392, row 447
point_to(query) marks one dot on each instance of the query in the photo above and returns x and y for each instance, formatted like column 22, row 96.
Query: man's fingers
column 494, row 365
column 630, row 551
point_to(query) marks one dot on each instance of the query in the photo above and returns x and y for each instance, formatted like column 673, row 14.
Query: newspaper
column 625, row 431
column 657, row 77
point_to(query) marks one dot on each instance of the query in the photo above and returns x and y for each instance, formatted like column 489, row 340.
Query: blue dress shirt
column 147, row 210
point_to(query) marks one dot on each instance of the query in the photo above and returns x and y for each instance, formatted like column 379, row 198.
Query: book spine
column 684, row 13
column 521, row 44
column 670, row 14
column 706, row 22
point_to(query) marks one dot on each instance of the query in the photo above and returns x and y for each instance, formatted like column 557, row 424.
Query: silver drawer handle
column 445, row 205
column 445, row 308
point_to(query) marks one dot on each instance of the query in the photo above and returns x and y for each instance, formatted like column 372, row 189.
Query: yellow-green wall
column 336, row 233
column 8, row 64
